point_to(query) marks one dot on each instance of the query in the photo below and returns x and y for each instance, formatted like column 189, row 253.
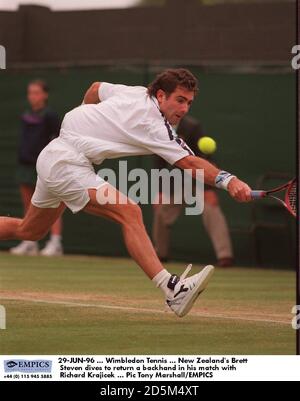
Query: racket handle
column 258, row 194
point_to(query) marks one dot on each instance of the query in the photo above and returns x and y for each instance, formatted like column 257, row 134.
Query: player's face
column 36, row 96
column 176, row 105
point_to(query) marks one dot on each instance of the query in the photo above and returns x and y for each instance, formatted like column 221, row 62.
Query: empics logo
column 2, row 58
column 296, row 319
column 296, row 59
column 11, row 364
column 2, row 318
column 27, row 366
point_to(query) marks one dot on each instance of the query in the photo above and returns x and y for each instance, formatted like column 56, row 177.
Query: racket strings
column 292, row 198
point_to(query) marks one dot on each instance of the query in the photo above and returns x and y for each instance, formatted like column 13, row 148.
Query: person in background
column 39, row 125
column 165, row 215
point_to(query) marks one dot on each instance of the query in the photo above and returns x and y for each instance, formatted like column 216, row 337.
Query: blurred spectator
column 39, row 125
column 189, row 129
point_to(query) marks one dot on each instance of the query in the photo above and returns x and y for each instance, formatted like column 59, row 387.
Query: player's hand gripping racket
column 290, row 198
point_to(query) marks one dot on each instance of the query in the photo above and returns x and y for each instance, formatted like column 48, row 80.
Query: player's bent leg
column 123, row 211
column 180, row 292
column 35, row 225
column 9, row 227
column 164, row 217
column 38, row 221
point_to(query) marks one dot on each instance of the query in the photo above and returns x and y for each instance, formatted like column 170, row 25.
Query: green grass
column 73, row 305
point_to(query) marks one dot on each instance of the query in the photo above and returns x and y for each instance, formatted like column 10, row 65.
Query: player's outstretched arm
column 92, row 94
column 238, row 189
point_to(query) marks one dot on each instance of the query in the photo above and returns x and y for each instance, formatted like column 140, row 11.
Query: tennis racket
column 290, row 197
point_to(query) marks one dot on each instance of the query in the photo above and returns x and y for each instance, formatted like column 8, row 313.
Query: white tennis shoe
column 25, row 248
column 185, row 291
column 52, row 248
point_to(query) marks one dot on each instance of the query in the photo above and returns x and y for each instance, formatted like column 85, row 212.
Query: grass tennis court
column 92, row 305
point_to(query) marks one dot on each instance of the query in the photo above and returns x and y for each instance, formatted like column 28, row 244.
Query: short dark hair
column 41, row 83
column 169, row 79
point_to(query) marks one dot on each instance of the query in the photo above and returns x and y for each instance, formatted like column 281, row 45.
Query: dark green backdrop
column 252, row 117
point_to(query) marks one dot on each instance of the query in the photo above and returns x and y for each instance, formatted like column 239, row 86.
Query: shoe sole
column 52, row 254
column 206, row 274
column 31, row 253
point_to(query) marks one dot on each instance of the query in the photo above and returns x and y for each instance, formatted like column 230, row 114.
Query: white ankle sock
column 161, row 280
column 30, row 242
column 56, row 239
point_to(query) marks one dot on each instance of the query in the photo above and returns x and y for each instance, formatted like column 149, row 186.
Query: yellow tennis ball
column 207, row 145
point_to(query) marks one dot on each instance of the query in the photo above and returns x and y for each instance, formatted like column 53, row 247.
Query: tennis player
column 116, row 121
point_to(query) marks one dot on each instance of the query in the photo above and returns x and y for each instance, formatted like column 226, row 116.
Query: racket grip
column 258, row 194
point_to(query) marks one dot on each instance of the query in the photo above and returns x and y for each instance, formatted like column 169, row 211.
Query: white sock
column 56, row 239
column 161, row 280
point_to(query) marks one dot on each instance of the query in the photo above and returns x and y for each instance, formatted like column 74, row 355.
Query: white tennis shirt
column 127, row 122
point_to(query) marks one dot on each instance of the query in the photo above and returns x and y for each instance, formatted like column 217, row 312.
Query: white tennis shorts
column 64, row 175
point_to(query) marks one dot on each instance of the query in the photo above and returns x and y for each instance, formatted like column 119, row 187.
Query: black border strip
column 298, row 165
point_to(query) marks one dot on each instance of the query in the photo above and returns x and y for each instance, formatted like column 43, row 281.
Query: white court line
column 139, row 310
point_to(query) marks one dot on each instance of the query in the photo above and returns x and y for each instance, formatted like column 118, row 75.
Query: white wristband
column 223, row 179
